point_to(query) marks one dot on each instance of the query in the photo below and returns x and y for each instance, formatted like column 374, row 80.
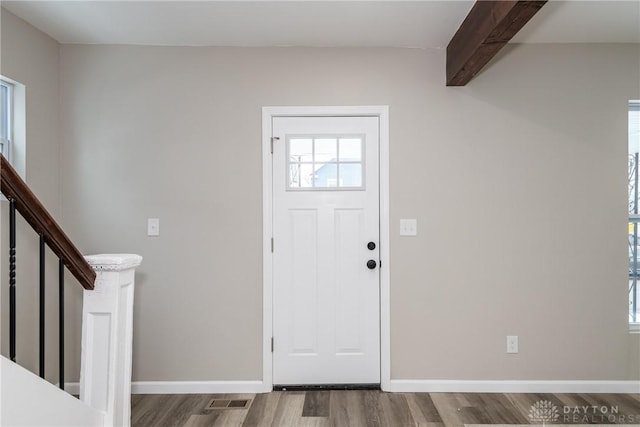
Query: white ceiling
column 423, row 24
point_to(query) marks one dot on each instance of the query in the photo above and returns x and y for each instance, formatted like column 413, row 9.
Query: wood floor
column 378, row 409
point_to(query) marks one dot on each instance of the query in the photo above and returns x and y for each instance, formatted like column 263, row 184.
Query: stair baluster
column 12, row 280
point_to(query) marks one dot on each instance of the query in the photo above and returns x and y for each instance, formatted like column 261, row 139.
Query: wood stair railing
column 14, row 188
column 22, row 200
column 105, row 361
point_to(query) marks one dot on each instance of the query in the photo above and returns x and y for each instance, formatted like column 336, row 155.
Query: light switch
column 408, row 227
column 153, row 226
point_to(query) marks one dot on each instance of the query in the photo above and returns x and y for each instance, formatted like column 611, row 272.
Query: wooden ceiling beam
column 486, row 29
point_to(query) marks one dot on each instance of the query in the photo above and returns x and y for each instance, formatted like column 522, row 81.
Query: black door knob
column 371, row 246
column 371, row 264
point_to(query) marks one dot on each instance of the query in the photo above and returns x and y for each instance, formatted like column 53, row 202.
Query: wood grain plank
column 168, row 410
column 372, row 408
column 417, row 415
column 521, row 402
column 416, row 412
column 598, row 407
column 395, row 410
column 473, row 415
column 314, row 422
column 348, row 408
column 476, row 410
column 184, row 408
column 202, row 420
column 366, row 409
column 316, row 404
column 230, row 418
column 514, row 415
column 135, row 398
column 626, row 401
column 147, row 409
column 428, row 409
column 572, row 399
column 499, row 409
column 524, row 401
column 448, row 408
column 289, row 410
column 263, row 410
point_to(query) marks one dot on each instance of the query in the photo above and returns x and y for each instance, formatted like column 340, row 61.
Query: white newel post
column 107, row 334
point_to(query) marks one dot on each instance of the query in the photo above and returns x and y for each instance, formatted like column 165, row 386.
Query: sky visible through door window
column 325, row 162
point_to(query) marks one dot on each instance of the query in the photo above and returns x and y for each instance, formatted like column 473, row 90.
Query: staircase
column 27, row 399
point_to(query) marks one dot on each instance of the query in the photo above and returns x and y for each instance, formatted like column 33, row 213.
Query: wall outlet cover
column 408, row 227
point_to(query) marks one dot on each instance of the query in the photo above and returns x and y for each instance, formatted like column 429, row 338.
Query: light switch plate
column 408, row 227
column 153, row 226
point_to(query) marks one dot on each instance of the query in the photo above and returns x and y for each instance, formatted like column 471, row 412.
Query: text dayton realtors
column 596, row 414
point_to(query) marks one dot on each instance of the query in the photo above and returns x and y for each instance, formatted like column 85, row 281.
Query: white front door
column 326, row 228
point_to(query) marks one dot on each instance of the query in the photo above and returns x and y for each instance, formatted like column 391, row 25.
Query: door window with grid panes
column 325, row 162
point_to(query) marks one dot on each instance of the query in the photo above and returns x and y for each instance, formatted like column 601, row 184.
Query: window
column 634, row 212
column 6, row 118
column 325, row 162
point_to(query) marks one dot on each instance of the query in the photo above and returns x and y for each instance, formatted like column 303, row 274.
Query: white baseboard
column 462, row 386
column 395, row 386
column 190, row 387
column 186, row 387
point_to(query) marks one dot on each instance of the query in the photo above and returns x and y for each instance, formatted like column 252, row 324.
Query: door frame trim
column 268, row 113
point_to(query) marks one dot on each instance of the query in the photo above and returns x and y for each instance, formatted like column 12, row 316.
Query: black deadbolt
column 371, row 264
column 371, row 246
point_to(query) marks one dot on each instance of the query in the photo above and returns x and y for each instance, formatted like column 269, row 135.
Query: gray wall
column 518, row 183
column 32, row 58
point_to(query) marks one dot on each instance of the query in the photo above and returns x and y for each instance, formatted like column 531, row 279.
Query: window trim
column 8, row 142
column 634, row 327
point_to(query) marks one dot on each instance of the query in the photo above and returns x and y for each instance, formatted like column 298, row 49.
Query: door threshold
column 317, row 387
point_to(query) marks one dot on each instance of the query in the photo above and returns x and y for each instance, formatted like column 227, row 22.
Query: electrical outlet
column 408, row 227
column 512, row 343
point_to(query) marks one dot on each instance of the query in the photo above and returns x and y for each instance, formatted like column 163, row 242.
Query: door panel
column 348, row 333
column 304, row 316
column 326, row 301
